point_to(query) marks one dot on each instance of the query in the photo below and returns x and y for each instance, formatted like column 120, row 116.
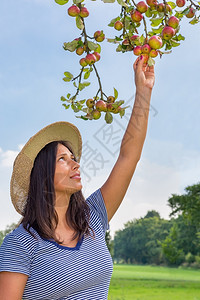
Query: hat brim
column 23, row 164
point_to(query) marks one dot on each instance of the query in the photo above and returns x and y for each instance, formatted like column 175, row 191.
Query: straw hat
column 23, row 163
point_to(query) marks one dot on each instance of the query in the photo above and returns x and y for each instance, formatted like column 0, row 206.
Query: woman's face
column 65, row 181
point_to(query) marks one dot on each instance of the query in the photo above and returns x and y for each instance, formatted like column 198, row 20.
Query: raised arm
column 115, row 187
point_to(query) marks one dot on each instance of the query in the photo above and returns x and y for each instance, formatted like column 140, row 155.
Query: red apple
column 99, row 36
column 111, row 99
column 153, row 53
column 84, row 13
column 146, row 48
column 79, row 50
column 90, row 103
column 134, row 37
column 155, row 42
column 191, row 13
column 118, row 25
column 168, row 8
column 180, row 3
column 152, row 3
column 173, row 22
column 82, row 62
column 168, row 32
column 101, row 105
column 90, row 59
column 110, row 108
column 136, row 16
column 137, row 50
column 96, row 114
column 98, row 56
column 142, row 7
column 73, row 11
column 160, row 7
column 126, row 42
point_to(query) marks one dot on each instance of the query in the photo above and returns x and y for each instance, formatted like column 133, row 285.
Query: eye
column 61, row 158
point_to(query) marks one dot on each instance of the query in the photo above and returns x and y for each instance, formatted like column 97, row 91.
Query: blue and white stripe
column 58, row 272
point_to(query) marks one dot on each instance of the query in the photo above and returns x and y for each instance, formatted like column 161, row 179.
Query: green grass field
column 131, row 282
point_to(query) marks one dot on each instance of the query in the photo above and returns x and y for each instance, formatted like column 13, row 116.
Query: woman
column 59, row 251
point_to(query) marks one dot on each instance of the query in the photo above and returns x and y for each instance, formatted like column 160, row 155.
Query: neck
column 61, row 206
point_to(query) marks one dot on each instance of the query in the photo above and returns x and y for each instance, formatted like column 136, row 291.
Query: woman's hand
column 144, row 75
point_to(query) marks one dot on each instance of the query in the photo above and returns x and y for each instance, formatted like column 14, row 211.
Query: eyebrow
column 62, row 154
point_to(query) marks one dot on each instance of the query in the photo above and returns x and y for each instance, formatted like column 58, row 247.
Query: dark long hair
column 39, row 212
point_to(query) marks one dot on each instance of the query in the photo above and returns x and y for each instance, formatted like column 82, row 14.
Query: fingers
column 139, row 66
column 135, row 64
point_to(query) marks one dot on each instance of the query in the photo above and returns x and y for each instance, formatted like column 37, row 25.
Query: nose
column 76, row 165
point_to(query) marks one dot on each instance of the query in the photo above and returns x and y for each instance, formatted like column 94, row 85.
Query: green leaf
column 115, row 93
column 108, row 1
column 98, row 49
column 172, row 4
column 122, row 3
column 156, row 22
column 83, row 117
column 194, row 21
column 186, row 11
column 108, row 117
column 92, row 46
column 82, row 101
column 75, row 108
column 113, row 41
column 61, row 2
column 158, row 30
column 66, row 106
column 68, row 95
column 79, row 23
column 68, row 76
column 71, row 46
column 180, row 37
column 148, row 13
column 74, row 83
column 151, row 61
column 122, row 112
column 82, row 85
column 85, row 69
column 77, row 1
column 142, row 39
column 119, row 48
column 63, row 98
column 86, row 83
column 174, row 43
column 179, row 14
column 127, row 23
column 86, row 75
column 118, row 39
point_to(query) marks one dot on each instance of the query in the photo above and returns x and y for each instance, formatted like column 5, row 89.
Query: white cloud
column 7, row 157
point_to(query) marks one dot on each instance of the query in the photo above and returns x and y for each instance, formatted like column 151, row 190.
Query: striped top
column 59, row 272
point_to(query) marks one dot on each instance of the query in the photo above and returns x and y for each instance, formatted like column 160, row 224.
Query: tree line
column 156, row 241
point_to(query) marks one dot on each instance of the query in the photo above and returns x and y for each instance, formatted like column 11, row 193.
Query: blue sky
column 32, row 64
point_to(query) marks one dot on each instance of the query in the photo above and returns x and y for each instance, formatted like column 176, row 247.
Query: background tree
column 187, row 204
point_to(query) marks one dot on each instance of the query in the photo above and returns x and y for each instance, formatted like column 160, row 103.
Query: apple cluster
column 163, row 18
column 95, row 108
column 161, row 14
column 75, row 11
